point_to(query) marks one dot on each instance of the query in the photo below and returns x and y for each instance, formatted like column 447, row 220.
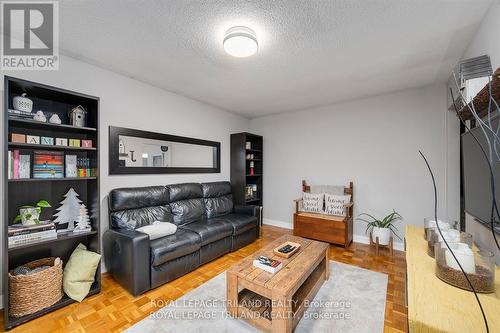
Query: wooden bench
column 327, row 228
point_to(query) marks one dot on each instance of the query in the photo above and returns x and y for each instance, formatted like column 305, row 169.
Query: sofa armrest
column 127, row 259
column 251, row 210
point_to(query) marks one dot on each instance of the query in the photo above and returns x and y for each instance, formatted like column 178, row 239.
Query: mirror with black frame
column 140, row 152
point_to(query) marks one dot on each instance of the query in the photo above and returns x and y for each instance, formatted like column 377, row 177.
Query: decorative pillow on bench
column 312, row 202
column 334, row 204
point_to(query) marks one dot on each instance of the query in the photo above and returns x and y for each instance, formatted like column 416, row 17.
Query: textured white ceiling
column 311, row 52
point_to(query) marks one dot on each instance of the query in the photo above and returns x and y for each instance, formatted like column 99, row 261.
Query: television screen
column 476, row 175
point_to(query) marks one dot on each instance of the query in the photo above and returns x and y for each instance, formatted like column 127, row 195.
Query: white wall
column 486, row 39
column 130, row 103
column 373, row 142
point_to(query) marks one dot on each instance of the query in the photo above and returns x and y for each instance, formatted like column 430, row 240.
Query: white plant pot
column 383, row 234
column 33, row 219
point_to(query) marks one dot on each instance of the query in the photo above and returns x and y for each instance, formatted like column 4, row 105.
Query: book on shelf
column 33, row 237
column 19, row 166
column 19, row 229
column 48, row 164
column 269, row 265
column 19, row 114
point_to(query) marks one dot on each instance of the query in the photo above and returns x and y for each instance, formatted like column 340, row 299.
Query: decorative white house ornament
column 83, row 221
column 69, row 211
column 77, row 116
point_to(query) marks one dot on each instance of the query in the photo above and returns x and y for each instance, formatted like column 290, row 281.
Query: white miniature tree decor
column 83, row 222
column 69, row 211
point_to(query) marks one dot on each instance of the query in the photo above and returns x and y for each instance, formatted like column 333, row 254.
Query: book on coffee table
column 268, row 264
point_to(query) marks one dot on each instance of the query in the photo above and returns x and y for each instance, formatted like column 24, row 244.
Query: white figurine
column 83, row 221
column 54, row 119
column 39, row 116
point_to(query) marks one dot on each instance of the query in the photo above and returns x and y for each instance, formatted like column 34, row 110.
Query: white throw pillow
column 334, row 204
column 312, row 202
column 158, row 229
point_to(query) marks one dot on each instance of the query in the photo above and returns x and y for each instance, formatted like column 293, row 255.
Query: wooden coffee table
column 275, row 303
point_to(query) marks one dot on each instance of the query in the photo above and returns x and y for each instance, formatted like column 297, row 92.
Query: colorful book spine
column 16, row 164
column 10, row 171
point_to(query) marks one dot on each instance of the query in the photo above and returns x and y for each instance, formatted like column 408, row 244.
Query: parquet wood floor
column 114, row 310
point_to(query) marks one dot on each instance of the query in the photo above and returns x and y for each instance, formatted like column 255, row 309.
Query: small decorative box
column 45, row 140
column 87, row 143
column 33, row 139
column 17, row 138
column 74, row 142
column 61, row 142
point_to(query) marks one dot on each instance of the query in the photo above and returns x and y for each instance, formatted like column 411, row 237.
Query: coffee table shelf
column 277, row 302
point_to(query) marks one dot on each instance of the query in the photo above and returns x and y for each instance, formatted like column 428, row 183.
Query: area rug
column 352, row 300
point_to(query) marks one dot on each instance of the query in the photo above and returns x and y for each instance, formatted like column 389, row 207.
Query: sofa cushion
column 136, row 218
column 218, row 206
column 167, row 248
column 240, row 223
column 185, row 191
column 216, row 189
column 187, row 211
column 138, row 197
column 210, row 230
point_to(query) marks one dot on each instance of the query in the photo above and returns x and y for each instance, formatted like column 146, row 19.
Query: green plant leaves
column 386, row 222
column 43, row 204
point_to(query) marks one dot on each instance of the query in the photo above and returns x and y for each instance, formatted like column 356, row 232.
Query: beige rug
column 352, row 300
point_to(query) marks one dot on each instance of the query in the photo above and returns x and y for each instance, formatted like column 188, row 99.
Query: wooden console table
column 276, row 303
column 435, row 306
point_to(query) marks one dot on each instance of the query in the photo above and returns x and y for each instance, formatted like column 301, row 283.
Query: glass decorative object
column 478, row 265
column 430, row 222
column 451, row 236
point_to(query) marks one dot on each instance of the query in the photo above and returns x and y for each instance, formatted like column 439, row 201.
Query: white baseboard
column 366, row 240
column 363, row 239
column 278, row 223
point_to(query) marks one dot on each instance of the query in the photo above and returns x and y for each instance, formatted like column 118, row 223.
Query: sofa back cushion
column 218, row 199
column 186, row 203
column 132, row 208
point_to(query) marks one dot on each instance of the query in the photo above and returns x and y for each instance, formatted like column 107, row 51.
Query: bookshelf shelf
column 48, row 147
column 66, row 179
column 59, row 238
column 32, row 124
column 15, row 321
column 27, row 191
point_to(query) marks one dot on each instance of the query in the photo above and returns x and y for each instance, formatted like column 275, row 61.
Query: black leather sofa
column 209, row 225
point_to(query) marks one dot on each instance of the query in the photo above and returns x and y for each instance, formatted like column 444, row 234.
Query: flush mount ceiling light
column 240, row 42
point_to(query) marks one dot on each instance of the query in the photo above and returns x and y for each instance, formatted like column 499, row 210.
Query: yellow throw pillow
column 79, row 272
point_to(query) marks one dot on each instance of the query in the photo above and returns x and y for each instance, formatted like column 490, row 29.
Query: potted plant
column 381, row 228
column 30, row 215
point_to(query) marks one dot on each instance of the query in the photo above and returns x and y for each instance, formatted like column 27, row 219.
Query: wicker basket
column 34, row 292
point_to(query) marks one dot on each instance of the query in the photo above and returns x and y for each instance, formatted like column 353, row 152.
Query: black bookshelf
column 241, row 159
column 19, row 192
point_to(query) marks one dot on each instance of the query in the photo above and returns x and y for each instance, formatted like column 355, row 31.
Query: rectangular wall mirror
column 140, row 152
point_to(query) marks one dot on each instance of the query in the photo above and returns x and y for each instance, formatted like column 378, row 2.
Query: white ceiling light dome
column 240, row 42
